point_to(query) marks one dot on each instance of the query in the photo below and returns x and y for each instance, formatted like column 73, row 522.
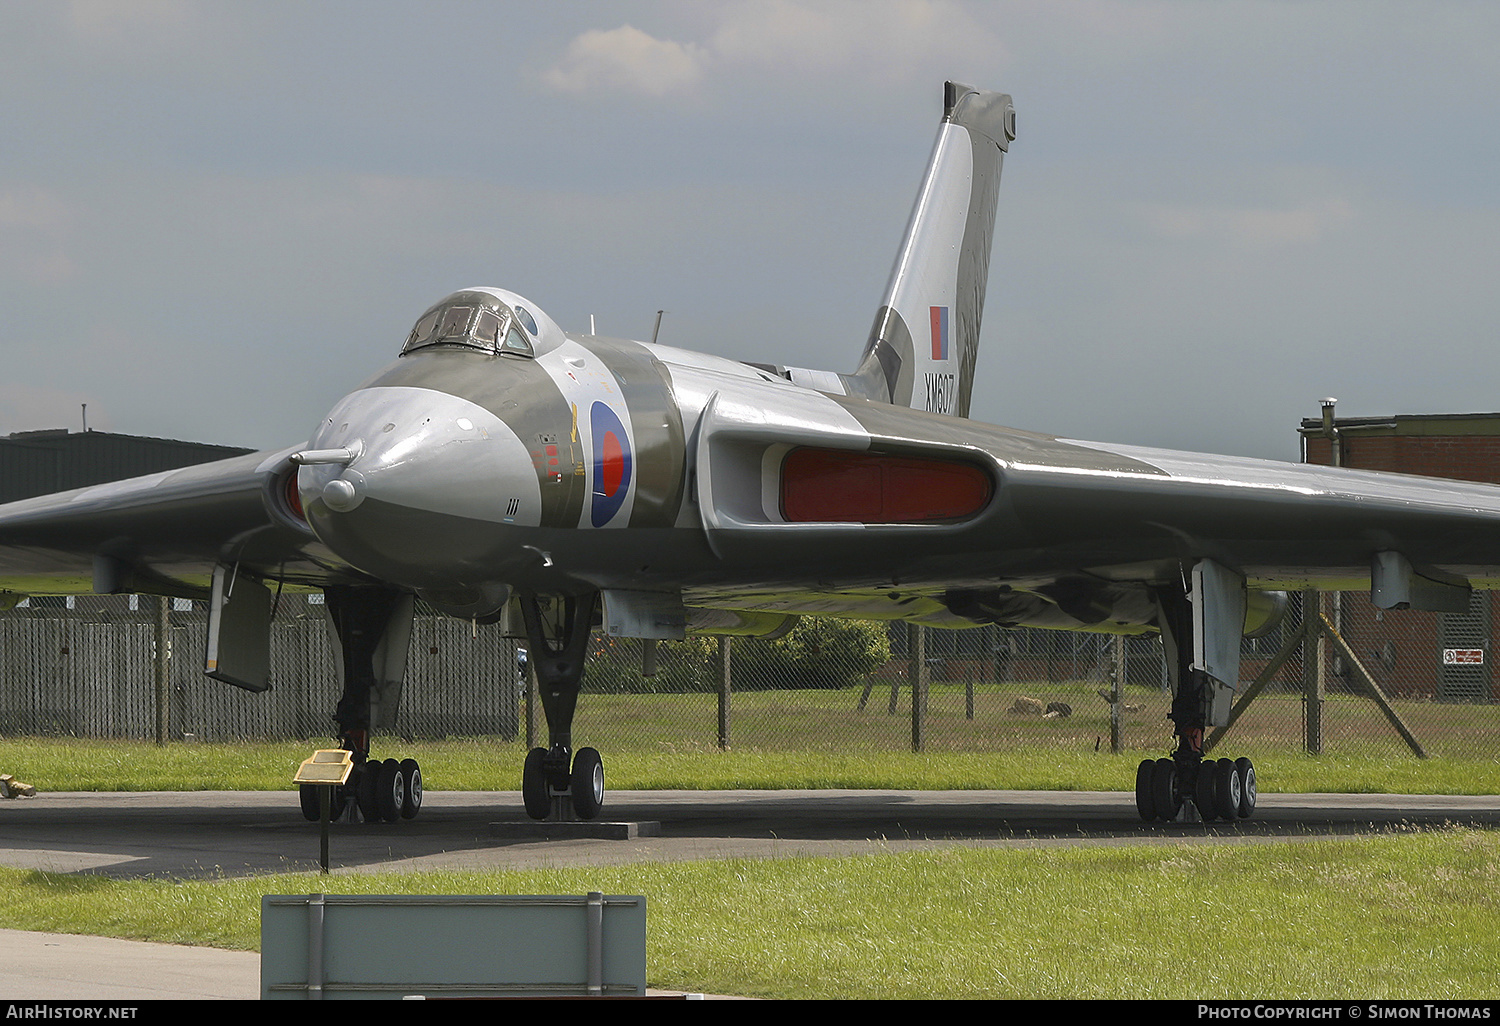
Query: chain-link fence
column 86, row 666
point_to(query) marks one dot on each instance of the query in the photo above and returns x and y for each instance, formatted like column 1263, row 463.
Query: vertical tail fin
column 922, row 348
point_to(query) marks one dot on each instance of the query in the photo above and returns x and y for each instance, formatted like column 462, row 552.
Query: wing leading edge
column 164, row 533
column 1076, row 534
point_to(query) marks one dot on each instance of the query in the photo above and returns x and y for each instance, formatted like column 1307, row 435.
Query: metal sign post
column 327, row 770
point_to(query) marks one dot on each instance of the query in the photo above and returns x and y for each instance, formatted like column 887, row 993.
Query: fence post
column 162, row 665
column 917, row 652
column 1314, row 655
column 1118, row 694
column 724, row 684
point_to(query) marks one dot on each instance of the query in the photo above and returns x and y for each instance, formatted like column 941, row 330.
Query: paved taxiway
column 208, row 833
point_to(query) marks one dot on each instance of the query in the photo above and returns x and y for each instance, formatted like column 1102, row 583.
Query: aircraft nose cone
column 417, row 486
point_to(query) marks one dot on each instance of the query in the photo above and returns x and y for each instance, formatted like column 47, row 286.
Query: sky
column 218, row 218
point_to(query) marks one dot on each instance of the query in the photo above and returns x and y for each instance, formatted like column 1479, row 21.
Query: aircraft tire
column 1246, row 770
column 534, row 785
column 1203, row 792
column 411, row 777
column 1145, row 804
column 365, row 789
column 1164, row 790
column 390, row 790
column 307, row 795
column 1226, row 790
column 588, row 783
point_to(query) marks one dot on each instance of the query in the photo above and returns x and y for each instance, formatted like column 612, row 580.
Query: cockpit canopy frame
column 475, row 320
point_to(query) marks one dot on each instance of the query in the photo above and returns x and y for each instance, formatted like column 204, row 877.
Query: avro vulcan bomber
column 502, row 469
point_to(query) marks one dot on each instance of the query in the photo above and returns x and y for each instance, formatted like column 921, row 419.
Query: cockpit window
column 422, row 333
column 515, row 342
column 527, row 321
column 455, row 323
column 472, row 320
column 488, row 325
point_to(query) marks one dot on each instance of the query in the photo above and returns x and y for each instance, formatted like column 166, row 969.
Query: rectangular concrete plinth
column 574, row 829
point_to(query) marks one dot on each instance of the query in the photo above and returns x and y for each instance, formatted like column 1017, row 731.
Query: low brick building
column 1441, row 656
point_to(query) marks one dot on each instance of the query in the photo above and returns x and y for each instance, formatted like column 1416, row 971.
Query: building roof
column 39, row 462
column 1409, row 424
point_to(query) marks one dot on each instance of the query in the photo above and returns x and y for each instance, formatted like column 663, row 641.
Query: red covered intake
column 843, row 486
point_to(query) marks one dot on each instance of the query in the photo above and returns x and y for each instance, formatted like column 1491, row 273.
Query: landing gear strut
column 555, row 780
column 373, row 629
column 1200, row 627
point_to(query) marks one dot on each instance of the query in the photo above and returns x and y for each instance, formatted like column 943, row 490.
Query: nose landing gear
column 556, row 782
column 582, row 795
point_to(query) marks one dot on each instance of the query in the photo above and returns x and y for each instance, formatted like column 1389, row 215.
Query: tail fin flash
column 925, row 339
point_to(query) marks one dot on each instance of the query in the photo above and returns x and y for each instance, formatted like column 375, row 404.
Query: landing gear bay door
column 1218, row 609
column 238, row 651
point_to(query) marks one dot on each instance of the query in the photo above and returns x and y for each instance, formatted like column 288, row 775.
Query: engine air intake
column 844, row 486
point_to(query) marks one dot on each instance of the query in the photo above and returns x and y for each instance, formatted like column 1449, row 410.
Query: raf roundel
column 612, row 464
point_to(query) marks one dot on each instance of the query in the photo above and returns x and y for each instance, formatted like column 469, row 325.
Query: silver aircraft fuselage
column 611, row 464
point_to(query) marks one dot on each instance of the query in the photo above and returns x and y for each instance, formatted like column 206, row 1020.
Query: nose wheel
column 557, row 782
column 581, row 794
column 588, row 783
column 534, row 791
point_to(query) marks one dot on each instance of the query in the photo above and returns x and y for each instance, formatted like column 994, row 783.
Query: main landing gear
column 379, row 791
column 556, row 782
column 1201, row 626
column 1218, row 789
column 373, row 629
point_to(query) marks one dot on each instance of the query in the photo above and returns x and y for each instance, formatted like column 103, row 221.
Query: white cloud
column 627, row 58
column 868, row 40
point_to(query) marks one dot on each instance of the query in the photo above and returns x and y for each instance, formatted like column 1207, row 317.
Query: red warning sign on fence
column 1463, row 657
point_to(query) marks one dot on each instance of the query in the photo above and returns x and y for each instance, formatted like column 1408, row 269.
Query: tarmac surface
column 220, row 833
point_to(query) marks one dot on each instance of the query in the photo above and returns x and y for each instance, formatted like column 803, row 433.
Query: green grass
column 1392, row 917
column 833, row 720
column 823, row 738
column 481, row 764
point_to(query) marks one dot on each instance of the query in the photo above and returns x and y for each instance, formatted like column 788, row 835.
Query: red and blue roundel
column 611, row 464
